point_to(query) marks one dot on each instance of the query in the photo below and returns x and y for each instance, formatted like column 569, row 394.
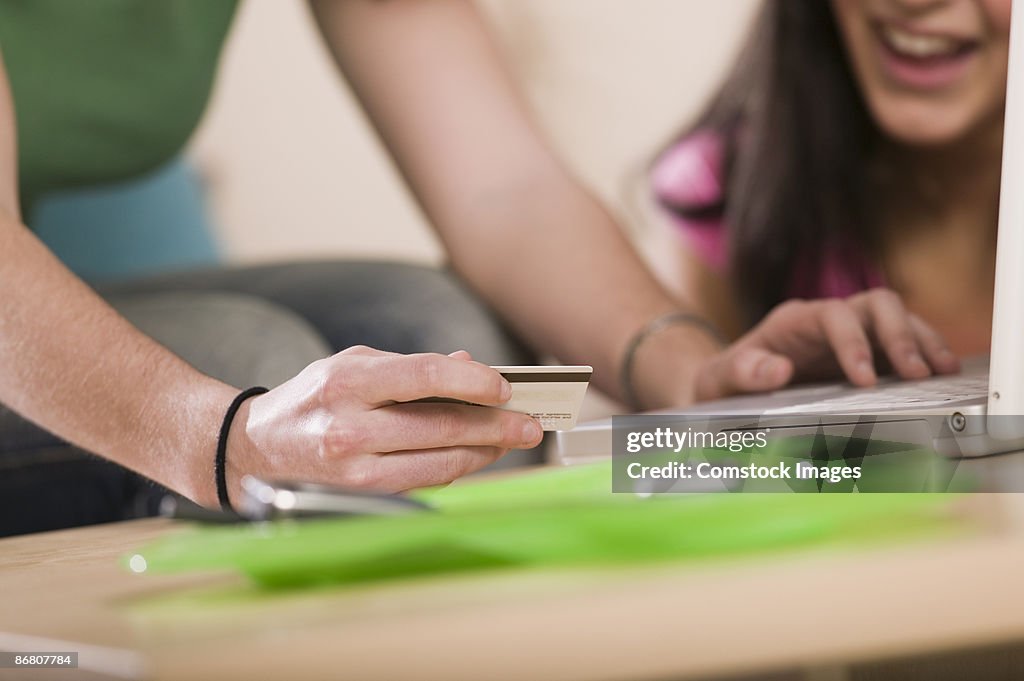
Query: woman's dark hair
column 797, row 135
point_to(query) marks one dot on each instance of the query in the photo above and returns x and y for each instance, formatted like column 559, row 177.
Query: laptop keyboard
column 934, row 392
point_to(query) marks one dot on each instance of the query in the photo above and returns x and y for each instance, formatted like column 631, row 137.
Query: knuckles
column 346, row 373
column 449, row 428
column 342, row 380
column 883, row 295
column 343, row 441
column 358, row 475
column 358, row 351
column 504, row 429
column 790, row 309
column 435, row 374
column 456, row 464
column 836, row 309
column 427, row 371
column 460, row 462
column 331, row 386
column 495, row 387
column 834, row 305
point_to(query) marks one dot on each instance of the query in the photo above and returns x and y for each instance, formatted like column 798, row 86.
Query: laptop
column 975, row 413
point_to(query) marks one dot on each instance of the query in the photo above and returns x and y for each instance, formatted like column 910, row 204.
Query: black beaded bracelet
column 649, row 329
column 220, row 473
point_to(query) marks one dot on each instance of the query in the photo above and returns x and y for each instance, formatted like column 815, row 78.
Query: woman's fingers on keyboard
column 741, row 369
column 842, row 327
column 890, row 324
column 857, row 337
column 941, row 358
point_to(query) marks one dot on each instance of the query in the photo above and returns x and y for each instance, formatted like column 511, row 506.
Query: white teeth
column 920, row 46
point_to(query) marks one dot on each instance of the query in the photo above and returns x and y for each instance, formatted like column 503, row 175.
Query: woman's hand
column 347, row 420
column 803, row 340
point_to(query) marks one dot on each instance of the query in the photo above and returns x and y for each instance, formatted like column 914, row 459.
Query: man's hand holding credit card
column 551, row 394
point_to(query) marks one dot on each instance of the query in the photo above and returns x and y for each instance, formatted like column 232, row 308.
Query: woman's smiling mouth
column 923, row 61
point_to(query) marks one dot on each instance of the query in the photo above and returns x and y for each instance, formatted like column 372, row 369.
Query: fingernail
column 768, row 368
column 865, row 369
column 531, row 432
column 506, row 390
column 917, row 362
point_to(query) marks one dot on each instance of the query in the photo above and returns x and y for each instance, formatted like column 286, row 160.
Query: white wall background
column 294, row 171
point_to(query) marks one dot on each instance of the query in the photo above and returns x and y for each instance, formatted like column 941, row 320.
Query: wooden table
column 816, row 611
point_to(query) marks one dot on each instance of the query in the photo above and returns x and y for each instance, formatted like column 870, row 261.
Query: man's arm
column 515, row 222
column 72, row 365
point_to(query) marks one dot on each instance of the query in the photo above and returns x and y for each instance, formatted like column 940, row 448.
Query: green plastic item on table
column 554, row 517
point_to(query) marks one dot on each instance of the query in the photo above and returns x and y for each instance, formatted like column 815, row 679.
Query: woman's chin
column 929, row 132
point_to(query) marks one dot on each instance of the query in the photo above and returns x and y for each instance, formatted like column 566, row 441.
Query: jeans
column 245, row 326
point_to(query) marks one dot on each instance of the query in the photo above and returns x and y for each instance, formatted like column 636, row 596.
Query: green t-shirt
column 106, row 89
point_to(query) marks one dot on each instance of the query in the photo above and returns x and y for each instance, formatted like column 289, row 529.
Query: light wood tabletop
column 70, row 591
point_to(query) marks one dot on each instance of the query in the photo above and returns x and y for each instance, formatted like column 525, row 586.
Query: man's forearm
column 71, row 364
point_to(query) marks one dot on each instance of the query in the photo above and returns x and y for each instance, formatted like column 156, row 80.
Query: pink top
column 690, row 175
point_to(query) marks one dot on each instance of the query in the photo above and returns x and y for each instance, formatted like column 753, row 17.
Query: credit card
column 551, row 394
